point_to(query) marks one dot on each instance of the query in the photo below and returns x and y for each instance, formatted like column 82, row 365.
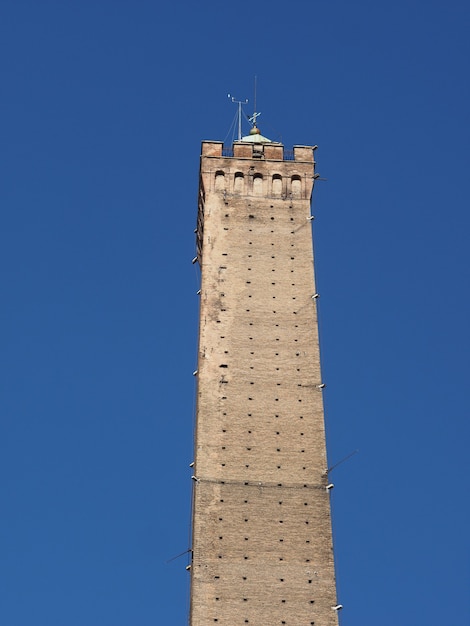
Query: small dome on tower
column 255, row 136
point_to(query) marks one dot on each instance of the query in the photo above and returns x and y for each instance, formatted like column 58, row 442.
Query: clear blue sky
column 103, row 106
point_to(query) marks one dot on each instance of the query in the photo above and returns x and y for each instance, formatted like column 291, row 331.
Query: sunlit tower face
column 262, row 546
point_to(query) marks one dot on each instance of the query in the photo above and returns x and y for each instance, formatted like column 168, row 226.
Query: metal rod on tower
column 255, row 99
column 253, row 119
column 240, row 104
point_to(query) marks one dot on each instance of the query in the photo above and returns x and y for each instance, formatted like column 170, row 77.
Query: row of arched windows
column 261, row 185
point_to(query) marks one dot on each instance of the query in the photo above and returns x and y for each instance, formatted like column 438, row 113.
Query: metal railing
column 227, row 151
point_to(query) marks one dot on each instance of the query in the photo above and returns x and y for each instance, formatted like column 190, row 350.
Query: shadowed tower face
column 262, row 544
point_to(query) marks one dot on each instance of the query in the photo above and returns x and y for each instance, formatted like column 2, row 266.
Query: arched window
column 258, row 185
column 277, row 185
column 238, row 182
column 219, row 181
column 296, row 187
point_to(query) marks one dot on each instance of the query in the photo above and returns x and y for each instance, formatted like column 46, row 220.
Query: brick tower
column 262, row 549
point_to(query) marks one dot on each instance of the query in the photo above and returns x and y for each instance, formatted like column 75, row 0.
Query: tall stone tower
column 262, row 549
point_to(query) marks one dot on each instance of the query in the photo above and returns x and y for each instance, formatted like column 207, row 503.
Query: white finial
column 253, row 118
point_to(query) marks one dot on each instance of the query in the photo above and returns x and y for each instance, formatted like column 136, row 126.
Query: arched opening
column 277, row 185
column 296, row 186
column 238, row 182
column 219, row 181
column 258, row 185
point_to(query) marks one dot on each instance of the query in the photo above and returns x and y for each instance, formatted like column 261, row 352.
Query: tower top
column 254, row 135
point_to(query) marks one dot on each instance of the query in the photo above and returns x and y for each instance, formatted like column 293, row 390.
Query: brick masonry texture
column 262, row 544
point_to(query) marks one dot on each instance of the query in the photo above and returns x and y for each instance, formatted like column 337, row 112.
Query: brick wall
column 262, row 547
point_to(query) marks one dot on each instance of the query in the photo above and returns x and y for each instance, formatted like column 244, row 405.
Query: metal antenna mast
column 240, row 104
column 255, row 115
column 254, row 112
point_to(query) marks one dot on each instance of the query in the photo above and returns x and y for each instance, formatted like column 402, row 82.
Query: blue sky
column 103, row 107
